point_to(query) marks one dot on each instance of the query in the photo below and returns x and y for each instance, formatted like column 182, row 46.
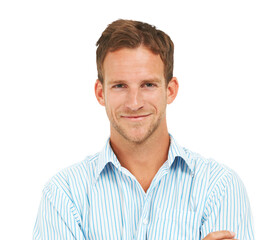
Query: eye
column 119, row 85
column 149, row 85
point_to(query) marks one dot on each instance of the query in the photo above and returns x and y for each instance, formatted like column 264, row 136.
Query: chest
column 120, row 209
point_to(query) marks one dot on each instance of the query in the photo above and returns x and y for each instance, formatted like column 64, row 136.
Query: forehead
column 132, row 64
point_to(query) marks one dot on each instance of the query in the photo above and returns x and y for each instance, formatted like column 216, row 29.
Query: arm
column 57, row 217
column 220, row 235
column 228, row 208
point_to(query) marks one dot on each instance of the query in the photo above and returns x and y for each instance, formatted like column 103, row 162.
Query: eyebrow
column 153, row 80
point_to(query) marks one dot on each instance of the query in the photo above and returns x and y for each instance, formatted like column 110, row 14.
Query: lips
column 136, row 117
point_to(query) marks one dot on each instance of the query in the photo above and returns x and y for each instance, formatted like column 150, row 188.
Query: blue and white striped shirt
column 189, row 197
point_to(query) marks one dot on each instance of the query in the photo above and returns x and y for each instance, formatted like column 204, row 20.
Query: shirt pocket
column 177, row 224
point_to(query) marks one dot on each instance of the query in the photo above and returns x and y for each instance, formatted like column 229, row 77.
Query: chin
column 137, row 137
column 137, row 134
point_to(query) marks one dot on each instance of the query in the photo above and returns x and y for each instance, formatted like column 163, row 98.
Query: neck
column 143, row 160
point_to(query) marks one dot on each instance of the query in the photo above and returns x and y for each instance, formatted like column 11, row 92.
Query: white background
column 225, row 60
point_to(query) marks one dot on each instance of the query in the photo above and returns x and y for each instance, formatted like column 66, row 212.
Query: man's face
column 134, row 94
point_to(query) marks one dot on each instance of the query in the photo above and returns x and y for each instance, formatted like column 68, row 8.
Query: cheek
column 113, row 102
column 158, row 100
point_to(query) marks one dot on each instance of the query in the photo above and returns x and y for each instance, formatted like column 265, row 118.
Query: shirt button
column 145, row 221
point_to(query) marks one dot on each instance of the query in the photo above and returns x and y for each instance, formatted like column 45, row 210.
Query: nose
column 134, row 99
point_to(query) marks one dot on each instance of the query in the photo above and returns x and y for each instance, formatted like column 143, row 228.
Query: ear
column 99, row 92
column 172, row 90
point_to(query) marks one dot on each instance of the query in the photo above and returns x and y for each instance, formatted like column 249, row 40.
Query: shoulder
column 215, row 185
column 72, row 181
column 218, row 177
column 221, row 198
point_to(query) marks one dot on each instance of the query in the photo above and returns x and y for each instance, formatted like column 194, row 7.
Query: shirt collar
column 178, row 152
column 106, row 156
column 175, row 152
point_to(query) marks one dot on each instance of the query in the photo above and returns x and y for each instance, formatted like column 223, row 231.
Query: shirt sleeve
column 228, row 208
column 57, row 216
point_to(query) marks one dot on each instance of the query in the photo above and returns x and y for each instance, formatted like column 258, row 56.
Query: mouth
column 136, row 117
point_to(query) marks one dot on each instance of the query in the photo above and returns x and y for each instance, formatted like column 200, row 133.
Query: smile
column 136, row 118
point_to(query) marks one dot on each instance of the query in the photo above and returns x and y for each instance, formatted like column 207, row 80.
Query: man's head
column 132, row 34
column 133, row 84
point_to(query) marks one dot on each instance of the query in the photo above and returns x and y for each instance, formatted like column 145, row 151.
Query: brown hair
column 132, row 34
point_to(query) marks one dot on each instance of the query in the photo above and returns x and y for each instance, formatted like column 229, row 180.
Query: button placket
column 146, row 209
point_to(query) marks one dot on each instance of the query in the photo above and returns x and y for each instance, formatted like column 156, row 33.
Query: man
column 142, row 185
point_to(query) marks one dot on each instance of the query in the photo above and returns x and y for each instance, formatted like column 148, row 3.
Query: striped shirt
column 189, row 197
